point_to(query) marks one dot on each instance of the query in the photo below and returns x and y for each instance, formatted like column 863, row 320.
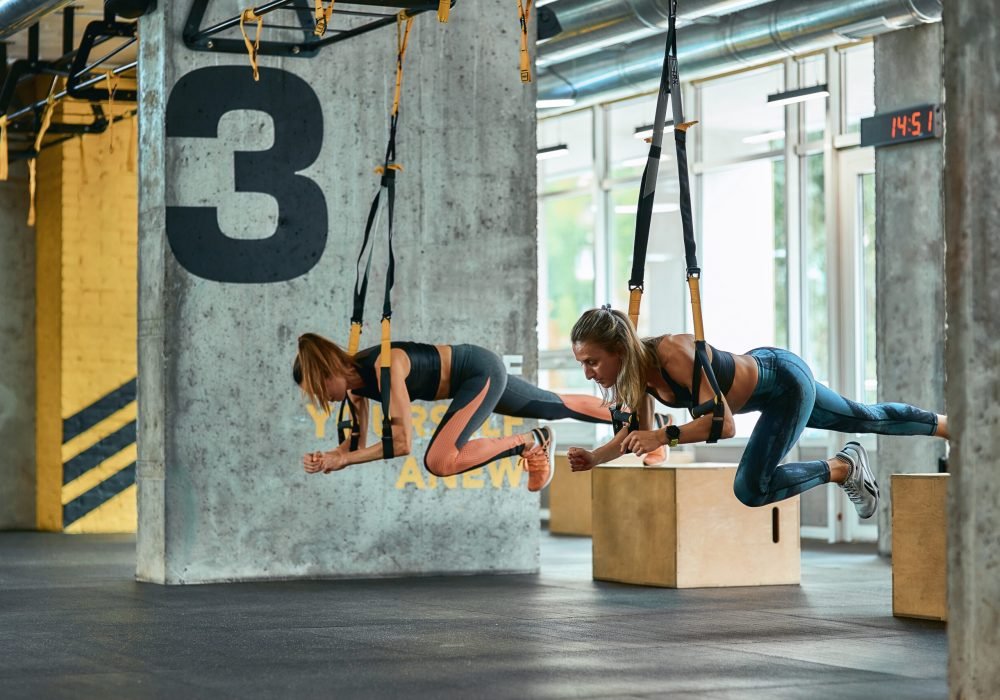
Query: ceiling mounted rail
column 382, row 14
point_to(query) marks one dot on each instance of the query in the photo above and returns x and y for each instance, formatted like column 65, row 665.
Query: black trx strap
column 351, row 428
column 670, row 89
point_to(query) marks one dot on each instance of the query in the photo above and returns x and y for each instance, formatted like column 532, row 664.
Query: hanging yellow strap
column 50, row 104
column 355, row 339
column 249, row 15
column 635, row 298
column 444, row 7
column 523, row 9
column 402, row 39
column 112, row 81
column 4, row 170
column 323, row 15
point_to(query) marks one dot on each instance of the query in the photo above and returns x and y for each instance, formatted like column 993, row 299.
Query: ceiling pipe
column 16, row 15
column 759, row 35
column 591, row 25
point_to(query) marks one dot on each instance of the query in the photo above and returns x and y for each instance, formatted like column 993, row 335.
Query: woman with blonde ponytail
column 474, row 378
column 773, row 381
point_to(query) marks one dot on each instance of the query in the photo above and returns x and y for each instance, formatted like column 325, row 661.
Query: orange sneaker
column 657, row 456
column 539, row 460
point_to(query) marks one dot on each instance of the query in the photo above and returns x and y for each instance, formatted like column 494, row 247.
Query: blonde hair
column 612, row 330
column 319, row 359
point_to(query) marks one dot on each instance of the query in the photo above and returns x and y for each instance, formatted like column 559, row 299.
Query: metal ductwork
column 755, row 36
column 16, row 15
column 591, row 25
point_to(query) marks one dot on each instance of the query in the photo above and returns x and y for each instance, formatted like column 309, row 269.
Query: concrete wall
column 972, row 33
column 222, row 494
column 17, row 350
column 909, row 256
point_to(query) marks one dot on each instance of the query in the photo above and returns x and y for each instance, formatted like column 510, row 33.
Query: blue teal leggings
column 790, row 400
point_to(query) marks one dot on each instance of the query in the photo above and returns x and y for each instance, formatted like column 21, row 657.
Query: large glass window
column 859, row 85
column 867, row 184
column 812, row 71
column 627, row 149
column 736, row 119
column 572, row 168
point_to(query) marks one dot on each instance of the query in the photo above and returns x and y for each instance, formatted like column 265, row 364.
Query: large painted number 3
column 196, row 104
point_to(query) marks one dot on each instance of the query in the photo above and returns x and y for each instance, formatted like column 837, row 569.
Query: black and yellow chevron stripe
column 98, row 453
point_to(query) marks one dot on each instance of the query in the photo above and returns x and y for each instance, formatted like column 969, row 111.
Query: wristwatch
column 673, row 435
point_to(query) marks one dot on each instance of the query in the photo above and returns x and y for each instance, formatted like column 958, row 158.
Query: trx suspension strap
column 322, row 13
column 351, row 428
column 253, row 47
column 523, row 10
column 670, row 88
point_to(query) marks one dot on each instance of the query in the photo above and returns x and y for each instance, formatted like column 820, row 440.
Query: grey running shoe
column 860, row 484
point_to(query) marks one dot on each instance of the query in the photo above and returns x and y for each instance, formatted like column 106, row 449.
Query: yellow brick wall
column 48, row 341
column 87, row 228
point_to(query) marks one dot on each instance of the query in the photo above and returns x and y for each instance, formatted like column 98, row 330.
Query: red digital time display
column 903, row 126
column 915, row 123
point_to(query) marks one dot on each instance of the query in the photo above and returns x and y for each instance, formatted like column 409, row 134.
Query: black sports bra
column 421, row 383
column 724, row 367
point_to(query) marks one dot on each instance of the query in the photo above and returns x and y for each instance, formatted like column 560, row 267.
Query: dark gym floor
column 73, row 624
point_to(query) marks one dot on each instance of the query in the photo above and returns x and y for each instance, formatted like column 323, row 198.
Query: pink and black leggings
column 480, row 386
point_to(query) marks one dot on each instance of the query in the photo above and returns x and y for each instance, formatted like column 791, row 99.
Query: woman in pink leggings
column 475, row 380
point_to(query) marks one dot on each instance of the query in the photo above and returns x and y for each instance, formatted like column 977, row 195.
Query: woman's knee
column 437, row 467
column 747, row 494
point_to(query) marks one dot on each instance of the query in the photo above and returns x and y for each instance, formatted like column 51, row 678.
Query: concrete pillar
column 222, row 494
column 909, row 257
column 17, row 354
column 971, row 34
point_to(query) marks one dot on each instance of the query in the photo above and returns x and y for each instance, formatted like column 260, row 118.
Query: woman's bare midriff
column 444, row 385
column 744, row 382
column 744, row 378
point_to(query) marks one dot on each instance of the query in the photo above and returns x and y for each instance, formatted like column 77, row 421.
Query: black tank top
column 421, row 383
column 724, row 367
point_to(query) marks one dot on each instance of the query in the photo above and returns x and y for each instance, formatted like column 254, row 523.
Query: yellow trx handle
column 385, row 356
column 380, row 170
column 249, row 15
column 50, row 103
column 402, row 39
column 634, row 299
column 695, row 287
column 4, row 168
column 523, row 9
column 323, row 14
column 355, row 339
column 444, row 7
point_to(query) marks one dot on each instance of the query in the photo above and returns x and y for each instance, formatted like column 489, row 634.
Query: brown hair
column 612, row 330
column 319, row 359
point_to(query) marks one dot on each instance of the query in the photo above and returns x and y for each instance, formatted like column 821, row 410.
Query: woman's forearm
column 611, row 450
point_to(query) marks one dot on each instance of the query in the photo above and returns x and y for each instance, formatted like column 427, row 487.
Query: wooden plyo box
column 681, row 526
column 569, row 493
column 920, row 546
